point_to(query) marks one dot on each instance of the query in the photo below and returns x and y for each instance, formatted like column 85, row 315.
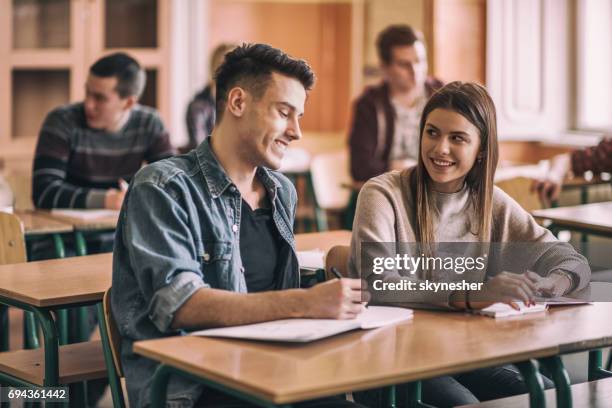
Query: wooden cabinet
column 47, row 46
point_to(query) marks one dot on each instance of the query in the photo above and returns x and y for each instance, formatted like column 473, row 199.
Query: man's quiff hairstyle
column 395, row 36
column 131, row 78
column 250, row 66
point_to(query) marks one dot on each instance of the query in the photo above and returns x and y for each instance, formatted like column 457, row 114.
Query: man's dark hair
column 131, row 78
column 250, row 66
column 393, row 36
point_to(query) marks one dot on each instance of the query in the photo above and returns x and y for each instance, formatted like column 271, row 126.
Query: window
column 594, row 64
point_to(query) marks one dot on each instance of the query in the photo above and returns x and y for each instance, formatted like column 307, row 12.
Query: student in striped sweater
column 86, row 149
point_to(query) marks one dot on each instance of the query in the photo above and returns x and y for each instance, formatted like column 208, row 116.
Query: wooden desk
column 40, row 287
column 93, row 224
column 81, row 226
column 39, row 223
column 57, row 282
column 322, row 240
column 588, row 218
column 579, row 182
column 434, row 344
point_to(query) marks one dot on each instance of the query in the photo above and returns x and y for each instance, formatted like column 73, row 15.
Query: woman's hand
column 505, row 287
column 554, row 285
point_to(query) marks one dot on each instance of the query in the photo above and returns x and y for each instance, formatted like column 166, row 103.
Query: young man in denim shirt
column 193, row 229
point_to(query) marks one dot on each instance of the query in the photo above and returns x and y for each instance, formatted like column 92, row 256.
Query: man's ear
column 236, row 101
column 130, row 101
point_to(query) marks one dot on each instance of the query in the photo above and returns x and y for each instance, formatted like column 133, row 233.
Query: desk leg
column 534, row 382
column 561, row 379
column 414, row 396
column 30, row 331
column 81, row 250
column 62, row 314
column 596, row 372
column 4, row 327
column 80, row 243
column 159, row 386
column 391, row 397
column 51, row 343
column 60, row 250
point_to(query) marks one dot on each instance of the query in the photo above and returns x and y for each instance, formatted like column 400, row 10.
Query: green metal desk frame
column 595, row 355
column 51, row 343
column 30, row 338
column 82, row 315
column 528, row 370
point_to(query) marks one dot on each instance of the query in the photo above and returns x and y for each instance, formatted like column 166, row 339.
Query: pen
column 337, row 274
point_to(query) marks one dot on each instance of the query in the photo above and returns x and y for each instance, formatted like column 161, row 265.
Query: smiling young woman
column 449, row 197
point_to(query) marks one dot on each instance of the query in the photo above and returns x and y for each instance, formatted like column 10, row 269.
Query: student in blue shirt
column 193, row 229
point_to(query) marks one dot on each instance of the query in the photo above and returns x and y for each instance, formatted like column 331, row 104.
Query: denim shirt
column 179, row 231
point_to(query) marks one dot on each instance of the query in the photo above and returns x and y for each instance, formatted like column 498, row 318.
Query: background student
column 384, row 132
column 201, row 110
column 450, row 197
column 597, row 159
column 85, row 149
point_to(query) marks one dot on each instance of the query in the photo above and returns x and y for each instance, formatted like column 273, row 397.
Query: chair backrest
column 329, row 172
column 114, row 339
column 12, row 241
column 337, row 257
column 20, row 181
column 519, row 188
column 111, row 346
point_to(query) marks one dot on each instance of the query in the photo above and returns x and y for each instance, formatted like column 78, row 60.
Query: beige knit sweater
column 385, row 213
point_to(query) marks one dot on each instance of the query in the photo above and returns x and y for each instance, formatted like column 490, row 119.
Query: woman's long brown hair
column 472, row 101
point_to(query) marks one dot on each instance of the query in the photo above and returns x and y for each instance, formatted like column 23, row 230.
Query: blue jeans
column 461, row 389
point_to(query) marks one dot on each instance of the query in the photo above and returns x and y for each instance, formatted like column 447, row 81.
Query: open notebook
column 305, row 330
column 85, row 215
column 500, row 310
column 311, row 260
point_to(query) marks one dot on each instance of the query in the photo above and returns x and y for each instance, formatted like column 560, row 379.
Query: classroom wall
column 454, row 31
column 456, row 35
column 317, row 32
column 381, row 13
